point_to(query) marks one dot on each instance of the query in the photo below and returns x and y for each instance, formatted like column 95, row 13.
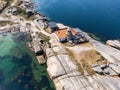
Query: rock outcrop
column 114, row 43
column 63, row 70
column 66, row 76
column 109, row 53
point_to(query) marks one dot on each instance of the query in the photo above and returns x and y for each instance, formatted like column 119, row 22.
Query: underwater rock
column 19, row 81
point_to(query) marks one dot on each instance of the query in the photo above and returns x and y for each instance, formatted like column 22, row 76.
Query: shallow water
column 19, row 69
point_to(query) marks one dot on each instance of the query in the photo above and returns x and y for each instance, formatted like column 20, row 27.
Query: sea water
column 19, row 69
column 100, row 17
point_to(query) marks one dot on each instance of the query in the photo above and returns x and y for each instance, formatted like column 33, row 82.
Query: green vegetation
column 46, row 39
column 22, row 13
column 11, row 1
column 43, row 37
column 3, row 23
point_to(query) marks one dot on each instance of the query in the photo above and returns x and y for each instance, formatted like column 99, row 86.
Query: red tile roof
column 62, row 33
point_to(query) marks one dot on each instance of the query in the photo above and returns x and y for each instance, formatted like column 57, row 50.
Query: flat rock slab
column 41, row 59
column 74, row 82
column 59, row 50
column 114, row 43
column 55, row 68
column 67, row 63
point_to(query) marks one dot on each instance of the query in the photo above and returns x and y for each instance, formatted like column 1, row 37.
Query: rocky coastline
column 67, row 63
column 114, row 43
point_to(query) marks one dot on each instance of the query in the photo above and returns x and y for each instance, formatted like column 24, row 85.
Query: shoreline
column 41, row 68
column 71, row 57
column 93, row 35
column 54, row 79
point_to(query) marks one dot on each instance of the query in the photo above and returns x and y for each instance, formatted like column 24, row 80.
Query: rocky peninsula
column 75, row 61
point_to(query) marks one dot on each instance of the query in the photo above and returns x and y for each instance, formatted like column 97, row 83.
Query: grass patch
column 47, row 30
column 80, row 68
column 11, row 1
column 23, row 13
column 43, row 37
column 86, row 44
column 102, row 61
column 46, row 39
column 91, row 56
column 3, row 23
column 87, row 67
column 70, row 53
column 68, row 44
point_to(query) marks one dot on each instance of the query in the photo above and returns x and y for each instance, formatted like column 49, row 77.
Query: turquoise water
column 19, row 69
column 100, row 17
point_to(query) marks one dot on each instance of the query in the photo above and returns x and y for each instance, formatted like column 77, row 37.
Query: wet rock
column 19, row 81
column 41, row 59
